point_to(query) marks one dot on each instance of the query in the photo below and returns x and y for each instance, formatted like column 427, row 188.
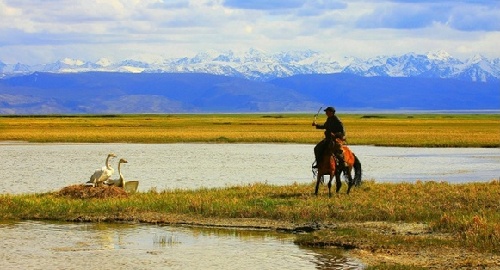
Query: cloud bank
column 36, row 31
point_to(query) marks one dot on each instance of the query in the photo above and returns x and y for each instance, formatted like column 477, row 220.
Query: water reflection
column 42, row 245
column 49, row 167
column 328, row 259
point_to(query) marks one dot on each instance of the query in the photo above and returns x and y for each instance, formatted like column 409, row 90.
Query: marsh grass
column 469, row 212
column 420, row 130
column 165, row 240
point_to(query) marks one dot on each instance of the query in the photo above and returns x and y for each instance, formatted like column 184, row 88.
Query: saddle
column 346, row 152
column 348, row 155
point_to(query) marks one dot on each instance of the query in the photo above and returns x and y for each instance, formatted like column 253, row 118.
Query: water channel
column 35, row 168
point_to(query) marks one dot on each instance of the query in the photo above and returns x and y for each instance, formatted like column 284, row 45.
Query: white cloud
column 36, row 31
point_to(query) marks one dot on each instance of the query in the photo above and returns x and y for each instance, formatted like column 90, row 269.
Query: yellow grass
column 389, row 130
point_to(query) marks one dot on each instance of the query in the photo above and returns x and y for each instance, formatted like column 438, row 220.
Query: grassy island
column 387, row 225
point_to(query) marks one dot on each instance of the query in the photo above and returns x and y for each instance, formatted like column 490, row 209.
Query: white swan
column 102, row 174
column 129, row 186
column 120, row 181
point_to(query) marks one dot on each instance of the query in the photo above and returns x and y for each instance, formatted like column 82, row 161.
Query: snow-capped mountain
column 261, row 66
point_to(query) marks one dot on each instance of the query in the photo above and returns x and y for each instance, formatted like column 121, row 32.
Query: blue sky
column 42, row 31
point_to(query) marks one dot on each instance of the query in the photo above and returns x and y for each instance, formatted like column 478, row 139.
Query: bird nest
column 87, row 192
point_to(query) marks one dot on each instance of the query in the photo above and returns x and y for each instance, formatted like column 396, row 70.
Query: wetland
column 416, row 221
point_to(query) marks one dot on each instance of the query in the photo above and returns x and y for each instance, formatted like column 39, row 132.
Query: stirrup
column 314, row 165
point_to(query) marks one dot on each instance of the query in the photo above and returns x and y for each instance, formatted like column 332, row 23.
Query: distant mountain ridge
column 125, row 92
column 260, row 66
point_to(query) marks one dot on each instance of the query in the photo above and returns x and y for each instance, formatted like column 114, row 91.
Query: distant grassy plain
column 387, row 225
column 417, row 130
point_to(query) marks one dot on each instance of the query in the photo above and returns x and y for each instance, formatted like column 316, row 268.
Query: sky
column 44, row 31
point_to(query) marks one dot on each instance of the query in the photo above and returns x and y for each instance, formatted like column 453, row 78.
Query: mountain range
column 252, row 81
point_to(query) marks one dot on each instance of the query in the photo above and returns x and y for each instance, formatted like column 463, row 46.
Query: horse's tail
column 357, row 171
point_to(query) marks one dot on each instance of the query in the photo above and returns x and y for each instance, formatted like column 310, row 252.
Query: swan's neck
column 107, row 163
column 120, row 173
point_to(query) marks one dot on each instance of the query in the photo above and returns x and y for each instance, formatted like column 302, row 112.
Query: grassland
column 419, row 130
column 389, row 226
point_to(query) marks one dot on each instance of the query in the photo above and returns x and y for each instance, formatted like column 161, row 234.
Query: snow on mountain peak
column 439, row 55
column 476, row 59
column 259, row 65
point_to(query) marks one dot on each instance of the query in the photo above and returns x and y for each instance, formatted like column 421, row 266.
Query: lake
column 57, row 245
column 33, row 168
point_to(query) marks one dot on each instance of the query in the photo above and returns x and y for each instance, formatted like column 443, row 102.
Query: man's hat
column 331, row 109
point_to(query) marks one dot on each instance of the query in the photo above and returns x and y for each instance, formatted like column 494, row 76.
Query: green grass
column 469, row 211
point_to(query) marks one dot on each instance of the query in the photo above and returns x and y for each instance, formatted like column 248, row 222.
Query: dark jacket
column 332, row 125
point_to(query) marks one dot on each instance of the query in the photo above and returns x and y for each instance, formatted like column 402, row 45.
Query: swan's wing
column 106, row 174
column 112, row 182
column 131, row 186
column 96, row 175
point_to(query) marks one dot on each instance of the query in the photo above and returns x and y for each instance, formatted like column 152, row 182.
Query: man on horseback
column 333, row 129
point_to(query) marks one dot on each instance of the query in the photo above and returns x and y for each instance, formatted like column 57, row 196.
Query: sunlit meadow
column 384, row 130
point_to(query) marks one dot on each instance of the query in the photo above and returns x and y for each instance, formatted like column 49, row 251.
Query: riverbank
column 388, row 226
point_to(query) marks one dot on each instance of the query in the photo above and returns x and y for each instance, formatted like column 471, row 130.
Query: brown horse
column 329, row 165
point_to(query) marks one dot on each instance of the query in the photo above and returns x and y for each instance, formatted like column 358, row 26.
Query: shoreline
column 371, row 254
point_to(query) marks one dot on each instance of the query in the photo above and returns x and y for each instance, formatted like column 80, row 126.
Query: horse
column 329, row 165
column 351, row 162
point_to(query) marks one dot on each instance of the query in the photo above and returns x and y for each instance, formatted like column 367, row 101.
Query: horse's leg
column 330, row 185
column 318, row 180
column 338, row 182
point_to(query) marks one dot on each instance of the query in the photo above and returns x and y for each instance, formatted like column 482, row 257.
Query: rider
column 332, row 126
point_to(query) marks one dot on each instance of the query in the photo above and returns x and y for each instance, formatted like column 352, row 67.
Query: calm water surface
column 29, row 168
column 45, row 245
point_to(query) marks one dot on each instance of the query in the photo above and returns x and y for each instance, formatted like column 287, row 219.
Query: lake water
column 30, row 168
column 47, row 245
column 34, row 168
